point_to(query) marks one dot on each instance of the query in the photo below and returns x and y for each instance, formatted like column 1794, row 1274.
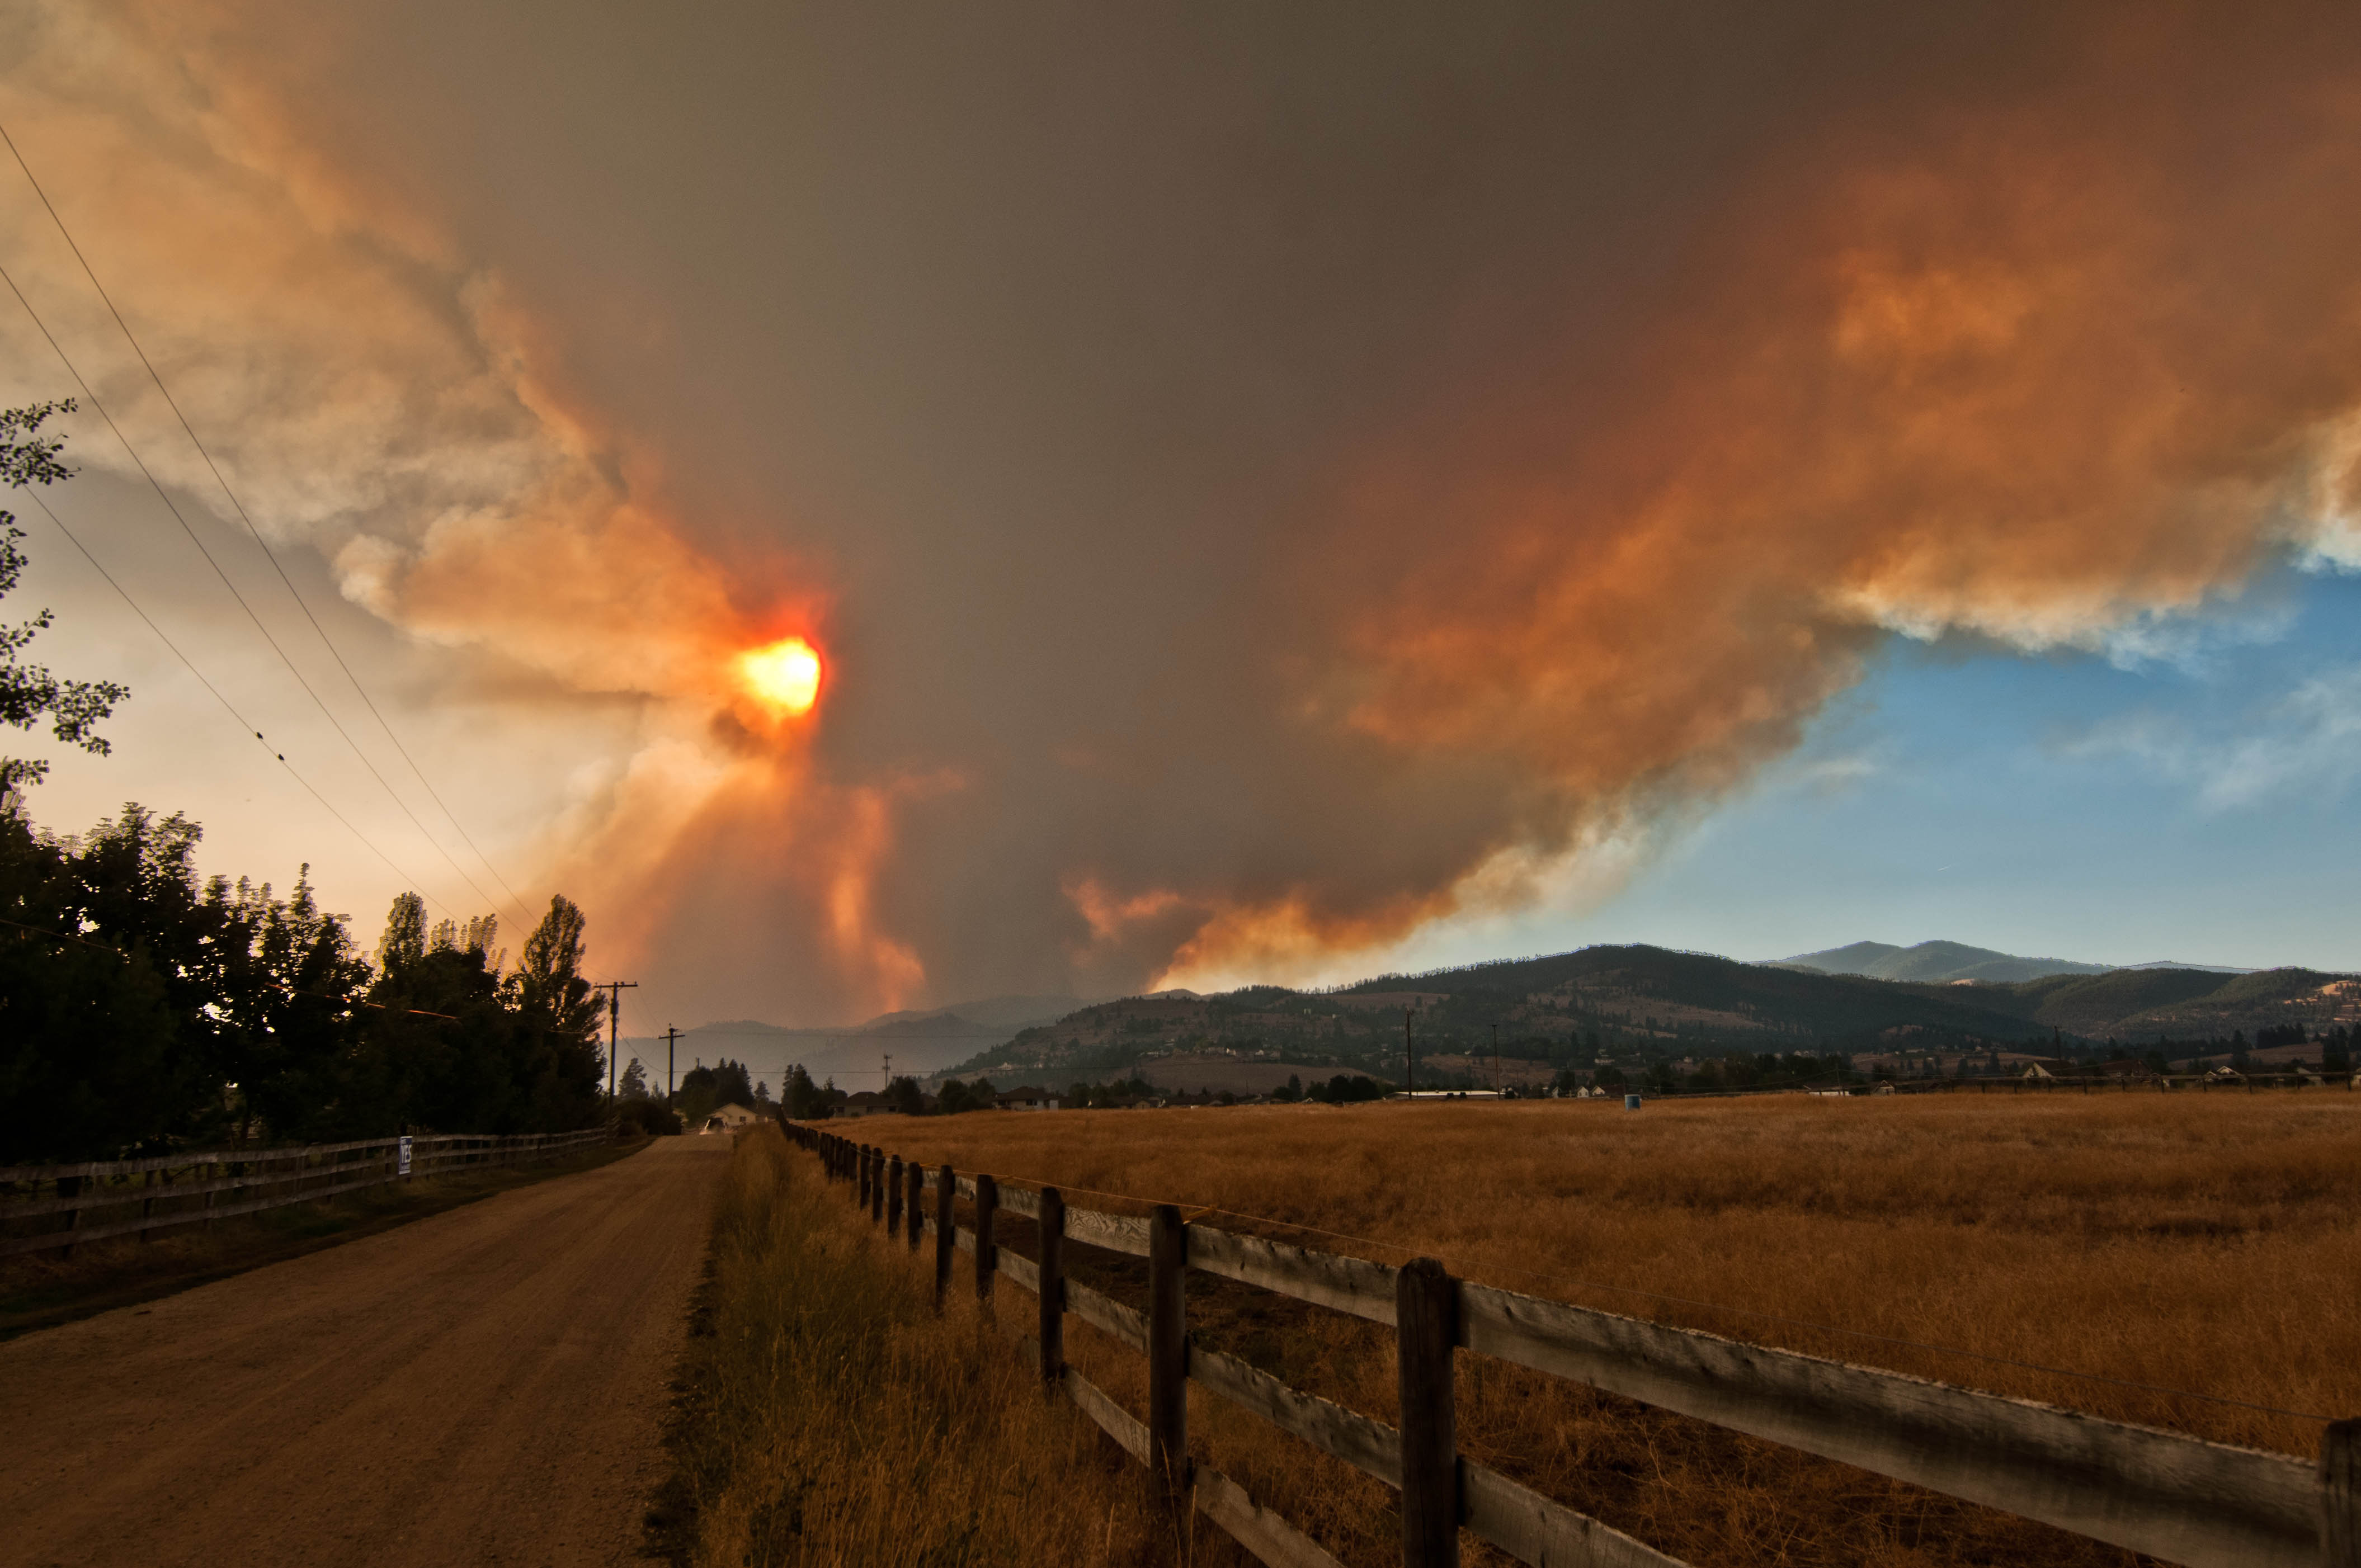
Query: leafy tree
column 558, row 1061
column 635, row 1085
column 93, row 1054
column 141, row 1007
column 904, row 1096
column 404, row 942
column 803, row 1100
column 704, row 1090
column 28, row 692
column 956, row 1097
column 648, row 1116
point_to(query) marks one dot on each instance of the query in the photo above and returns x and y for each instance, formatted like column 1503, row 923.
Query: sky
column 1276, row 493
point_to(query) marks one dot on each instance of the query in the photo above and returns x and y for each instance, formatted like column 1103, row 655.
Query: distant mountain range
column 854, row 1055
column 1640, row 1004
column 1942, row 963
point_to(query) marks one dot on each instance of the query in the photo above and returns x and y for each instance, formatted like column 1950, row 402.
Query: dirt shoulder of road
column 41, row 1291
column 484, row 1388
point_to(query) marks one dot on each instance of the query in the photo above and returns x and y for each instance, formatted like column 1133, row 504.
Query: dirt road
column 482, row 1386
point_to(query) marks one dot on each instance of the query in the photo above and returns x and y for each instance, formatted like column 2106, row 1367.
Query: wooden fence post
column 894, row 1196
column 2340, row 1495
column 946, row 1244
column 70, row 1187
column 987, row 1254
column 860, row 1186
column 1427, row 1304
column 1168, row 1354
column 1051, row 1251
column 916, row 1176
column 877, row 1187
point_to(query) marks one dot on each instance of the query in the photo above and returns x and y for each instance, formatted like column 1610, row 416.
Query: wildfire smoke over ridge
column 1259, row 493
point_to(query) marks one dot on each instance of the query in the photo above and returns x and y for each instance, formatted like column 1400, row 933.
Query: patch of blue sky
column 2190, row 790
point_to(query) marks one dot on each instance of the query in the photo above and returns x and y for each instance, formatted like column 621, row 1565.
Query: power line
column 162, row 495
column 269, row 555
column 228, row 705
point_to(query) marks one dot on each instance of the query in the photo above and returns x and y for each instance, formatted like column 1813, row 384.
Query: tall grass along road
column 831, row 1420
column 484, row 1386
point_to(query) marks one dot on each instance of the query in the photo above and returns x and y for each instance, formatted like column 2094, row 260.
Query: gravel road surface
column 485, row 1385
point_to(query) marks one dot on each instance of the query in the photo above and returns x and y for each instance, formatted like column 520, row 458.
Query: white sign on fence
column 402, row 1159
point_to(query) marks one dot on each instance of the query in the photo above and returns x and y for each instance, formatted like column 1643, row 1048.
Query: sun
column 783, row 675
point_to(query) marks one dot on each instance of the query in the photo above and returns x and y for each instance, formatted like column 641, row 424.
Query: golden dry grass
column 829, row 1417
column 2201, row 1243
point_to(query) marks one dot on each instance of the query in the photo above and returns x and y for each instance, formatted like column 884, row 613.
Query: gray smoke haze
column 1262, row 478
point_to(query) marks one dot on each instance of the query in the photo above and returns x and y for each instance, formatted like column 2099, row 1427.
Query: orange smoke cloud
column 2038, row 374
column 370, row 395
column 2034, row 362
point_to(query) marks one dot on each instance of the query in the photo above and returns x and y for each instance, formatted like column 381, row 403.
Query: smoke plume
column 1258, row 492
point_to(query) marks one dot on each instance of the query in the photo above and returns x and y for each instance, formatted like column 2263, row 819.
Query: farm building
column 729, row 1119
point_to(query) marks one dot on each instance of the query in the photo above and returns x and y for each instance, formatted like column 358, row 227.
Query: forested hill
column 1652, row 1001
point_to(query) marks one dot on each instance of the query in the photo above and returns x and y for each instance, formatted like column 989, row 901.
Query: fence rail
column 102, row 1199
column 2170, row 1495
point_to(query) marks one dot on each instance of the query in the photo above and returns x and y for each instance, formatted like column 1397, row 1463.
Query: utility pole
column 614, row 989
column 889, row 1072
column 1496, row 1061
column 671, row 1046
column 1410, row 1060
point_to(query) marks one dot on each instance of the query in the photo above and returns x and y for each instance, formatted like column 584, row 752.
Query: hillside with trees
column 1632, row 1010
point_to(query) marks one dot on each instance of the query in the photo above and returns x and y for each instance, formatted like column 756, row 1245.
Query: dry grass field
column 829, row 1419
column 2198, row 1243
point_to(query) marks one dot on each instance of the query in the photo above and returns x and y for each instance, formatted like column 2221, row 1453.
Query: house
column 1026, row 1098
column 729, row 1119
column 868, row 1103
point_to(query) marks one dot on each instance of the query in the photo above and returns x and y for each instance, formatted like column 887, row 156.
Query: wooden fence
column 2170, row 1495
column 137, row 1197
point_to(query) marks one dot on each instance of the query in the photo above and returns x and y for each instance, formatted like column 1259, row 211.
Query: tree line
column 144, row 1007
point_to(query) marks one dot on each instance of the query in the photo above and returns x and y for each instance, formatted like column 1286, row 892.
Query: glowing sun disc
column 786, row 674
